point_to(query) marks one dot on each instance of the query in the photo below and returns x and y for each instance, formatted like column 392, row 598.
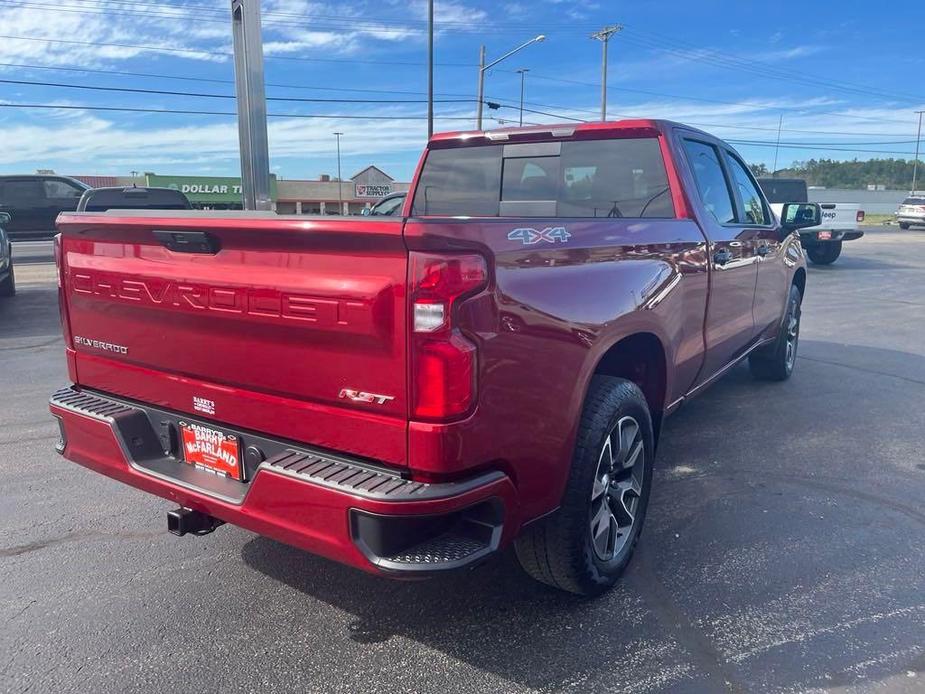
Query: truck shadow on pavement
column 783, row 549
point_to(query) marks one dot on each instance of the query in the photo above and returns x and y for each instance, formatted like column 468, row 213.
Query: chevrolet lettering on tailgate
column 270, row 304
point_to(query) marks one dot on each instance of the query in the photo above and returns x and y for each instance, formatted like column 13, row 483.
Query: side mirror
column 365, row 212
column 5, row 218
column 799, row 215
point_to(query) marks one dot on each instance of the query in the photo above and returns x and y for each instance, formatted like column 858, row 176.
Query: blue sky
column 844, row 76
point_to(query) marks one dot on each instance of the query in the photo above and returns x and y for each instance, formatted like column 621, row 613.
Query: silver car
column 911, row 212
column 7, row 280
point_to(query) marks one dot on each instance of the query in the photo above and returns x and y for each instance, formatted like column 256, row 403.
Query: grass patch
column 878, row 219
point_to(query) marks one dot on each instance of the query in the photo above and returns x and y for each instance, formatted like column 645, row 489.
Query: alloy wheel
column 617, row 488
column 793, row 335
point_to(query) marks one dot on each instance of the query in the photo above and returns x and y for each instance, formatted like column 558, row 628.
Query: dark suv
column 35, row 201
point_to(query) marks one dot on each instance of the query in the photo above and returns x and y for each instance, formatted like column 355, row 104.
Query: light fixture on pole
column 483, row 68
column 340, row 187
column 604, row 37
column 522, row 71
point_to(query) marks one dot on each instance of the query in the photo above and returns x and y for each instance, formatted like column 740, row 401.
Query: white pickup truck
column 839, row 219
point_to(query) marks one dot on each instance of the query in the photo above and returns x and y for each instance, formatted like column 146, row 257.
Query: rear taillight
column 860, row 216
column 62, row 300
column 443, row 360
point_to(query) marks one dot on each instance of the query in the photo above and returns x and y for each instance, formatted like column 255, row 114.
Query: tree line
column 895, row 174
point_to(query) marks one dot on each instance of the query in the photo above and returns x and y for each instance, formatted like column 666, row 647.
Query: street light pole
column 483, row 68
column 430, row 69
column 523, row 71
column 604, row 37
column 915, row 164
column 340, row 183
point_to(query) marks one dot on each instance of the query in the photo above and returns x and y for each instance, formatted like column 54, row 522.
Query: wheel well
column 640, row 358
column 799, row 279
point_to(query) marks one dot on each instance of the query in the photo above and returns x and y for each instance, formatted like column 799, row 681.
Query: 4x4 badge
column 529, row 236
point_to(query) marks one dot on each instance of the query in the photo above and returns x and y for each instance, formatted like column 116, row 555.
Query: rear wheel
column 585, row 545
column 8, row 286
column 776, row 361
column 824, row 253
column 904, row 225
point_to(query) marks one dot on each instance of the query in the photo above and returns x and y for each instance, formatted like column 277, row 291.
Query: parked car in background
column 132, row 198
column 7, row 279
column 35, row 201
column 823, row 242
column 411, row 394
column 912, row 211
column 389, row 206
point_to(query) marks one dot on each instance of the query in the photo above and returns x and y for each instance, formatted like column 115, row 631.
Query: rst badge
column 360, row 396
column 529, row 236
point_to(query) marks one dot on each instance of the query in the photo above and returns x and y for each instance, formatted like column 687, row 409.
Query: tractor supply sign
column 205, row 189
column 365, row 190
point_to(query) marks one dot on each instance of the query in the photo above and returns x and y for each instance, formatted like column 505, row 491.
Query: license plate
column 824, row 235
column 211, row 450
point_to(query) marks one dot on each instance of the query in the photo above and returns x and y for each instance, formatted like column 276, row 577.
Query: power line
column 73, row 107
column 127, row 109
column 152, row 75
column 464, row 98
column 206, row 95
column 198, row 51
column 750, row 63
column 365, row 23
column 753, row 105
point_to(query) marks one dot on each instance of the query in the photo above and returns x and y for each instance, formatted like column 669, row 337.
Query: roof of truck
column 565, row 129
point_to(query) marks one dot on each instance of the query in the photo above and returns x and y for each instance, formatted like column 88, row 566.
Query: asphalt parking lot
column 784, row 549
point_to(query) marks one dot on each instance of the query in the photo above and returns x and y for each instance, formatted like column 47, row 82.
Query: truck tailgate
column 279, row 325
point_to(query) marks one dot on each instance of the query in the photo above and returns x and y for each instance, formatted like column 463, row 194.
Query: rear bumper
column 351, row 511
column 811, row 236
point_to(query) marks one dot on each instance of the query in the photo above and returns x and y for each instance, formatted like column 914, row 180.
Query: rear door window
column 25, row 191
column 711, row 180
column 588, row 178
column 459, row 182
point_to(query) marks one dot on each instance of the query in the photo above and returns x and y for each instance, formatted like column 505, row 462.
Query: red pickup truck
column 411, row 394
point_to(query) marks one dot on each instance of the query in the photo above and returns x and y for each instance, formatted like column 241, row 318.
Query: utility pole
column 915, row 164
column 252, row 104
column 604, row 37
column 780, row 123
column 481, row 91
column 523, row 71
column 340, row 183
column 430, row 68
column 483, row 68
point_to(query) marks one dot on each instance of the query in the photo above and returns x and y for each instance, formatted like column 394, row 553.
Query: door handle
column 722, row 257
column 189, row 241
column 763, row 250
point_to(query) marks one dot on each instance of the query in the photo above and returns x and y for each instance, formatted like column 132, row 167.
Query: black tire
column 904, row 225
column 776, row 361
column 824, row 253
column 559, row 550
column 8, row 286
